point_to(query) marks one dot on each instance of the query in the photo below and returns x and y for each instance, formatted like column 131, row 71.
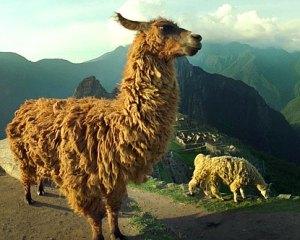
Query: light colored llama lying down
column 234, row 172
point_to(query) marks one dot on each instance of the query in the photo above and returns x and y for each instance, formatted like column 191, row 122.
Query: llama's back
column 230, row 168
column 35, row 133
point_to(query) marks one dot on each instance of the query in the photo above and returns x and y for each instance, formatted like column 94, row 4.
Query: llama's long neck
column 147, row 103
column 149, row 90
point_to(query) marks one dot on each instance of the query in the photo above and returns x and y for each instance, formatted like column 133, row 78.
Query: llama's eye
column 167, row 29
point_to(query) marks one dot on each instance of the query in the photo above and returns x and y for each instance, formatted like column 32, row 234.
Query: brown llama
column 92, row 147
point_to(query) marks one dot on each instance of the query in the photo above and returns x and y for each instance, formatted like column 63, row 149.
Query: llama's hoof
column 41, row 193
column 122, row 237
column 29, row 201
column 118, row 236
column 100, row 237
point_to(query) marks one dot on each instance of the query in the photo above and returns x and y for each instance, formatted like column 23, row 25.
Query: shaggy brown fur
column 91, row 148
column 233, row 171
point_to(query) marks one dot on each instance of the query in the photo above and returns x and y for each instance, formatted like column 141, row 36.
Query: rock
column 183, row 187
column 173, row 167
column 90, row 87
column 212, row 149
column 284, row 196
column 7, row 162
column 160, row 184
column 171, row 185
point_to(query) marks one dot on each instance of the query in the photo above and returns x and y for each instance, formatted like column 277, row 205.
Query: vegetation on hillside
column 257, row 204
column 292, row 113
column 274, row 73
column 283, row 175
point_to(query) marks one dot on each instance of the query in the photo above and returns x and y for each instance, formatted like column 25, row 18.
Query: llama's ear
column 131, row 25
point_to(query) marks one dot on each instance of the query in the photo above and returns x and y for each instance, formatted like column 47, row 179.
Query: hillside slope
column 274, row 73
column 236, row 109
column 21, row 79
column 292, row 113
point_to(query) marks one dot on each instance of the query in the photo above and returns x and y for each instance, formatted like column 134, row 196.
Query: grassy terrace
column 178, row 194
column 148, row 226
column 285, row 177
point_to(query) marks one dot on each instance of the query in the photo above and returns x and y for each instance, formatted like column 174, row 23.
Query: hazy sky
column 80, row 30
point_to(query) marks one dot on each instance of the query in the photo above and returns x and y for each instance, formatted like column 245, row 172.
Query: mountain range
column 229, row 105
column 235, row 109
column 22, row 79
column 274, row 73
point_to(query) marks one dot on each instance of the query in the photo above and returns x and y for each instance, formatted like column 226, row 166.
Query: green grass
column 284, row 176
column 212, row 205
column 164, row 175
column 150, row 227
column 187, row 156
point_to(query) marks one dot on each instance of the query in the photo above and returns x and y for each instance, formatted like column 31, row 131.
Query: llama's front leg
column 96, row 226
column 41, row 191
column 112, row 218
column 192, row 186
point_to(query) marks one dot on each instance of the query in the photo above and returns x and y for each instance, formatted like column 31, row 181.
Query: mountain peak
column 90, row 87
column 11, row 56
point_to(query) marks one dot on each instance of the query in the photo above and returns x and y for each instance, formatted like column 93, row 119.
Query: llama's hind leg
column 234, row 187
column 113, row 206
column 96, row 226
column 26, row 180
column 28, row 198
column 41, row 191
column 215, row 192
column 242, row 193
column 112, row 218
column 90, row 207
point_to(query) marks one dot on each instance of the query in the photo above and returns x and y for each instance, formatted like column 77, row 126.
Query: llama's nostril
column 197, row 36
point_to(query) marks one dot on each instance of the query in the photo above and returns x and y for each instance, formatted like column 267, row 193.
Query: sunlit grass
column 178, row 194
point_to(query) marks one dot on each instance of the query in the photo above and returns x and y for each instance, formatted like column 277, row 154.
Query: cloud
column 141, row 10
column 144, row 9
column 228, row 24
column 83, row 31
column 224, row 24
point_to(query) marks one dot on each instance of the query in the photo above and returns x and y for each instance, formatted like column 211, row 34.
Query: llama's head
column 163, row 37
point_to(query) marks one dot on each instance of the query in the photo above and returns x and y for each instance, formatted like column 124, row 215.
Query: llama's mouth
column 192, row 50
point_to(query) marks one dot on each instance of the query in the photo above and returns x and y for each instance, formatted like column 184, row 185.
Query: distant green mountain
column 274, row 73
column 236, row 109
column 292, row 113
column 21, row 79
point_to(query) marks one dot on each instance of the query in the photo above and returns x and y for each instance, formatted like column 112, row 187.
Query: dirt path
column 51, row 219
column 187, row 222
